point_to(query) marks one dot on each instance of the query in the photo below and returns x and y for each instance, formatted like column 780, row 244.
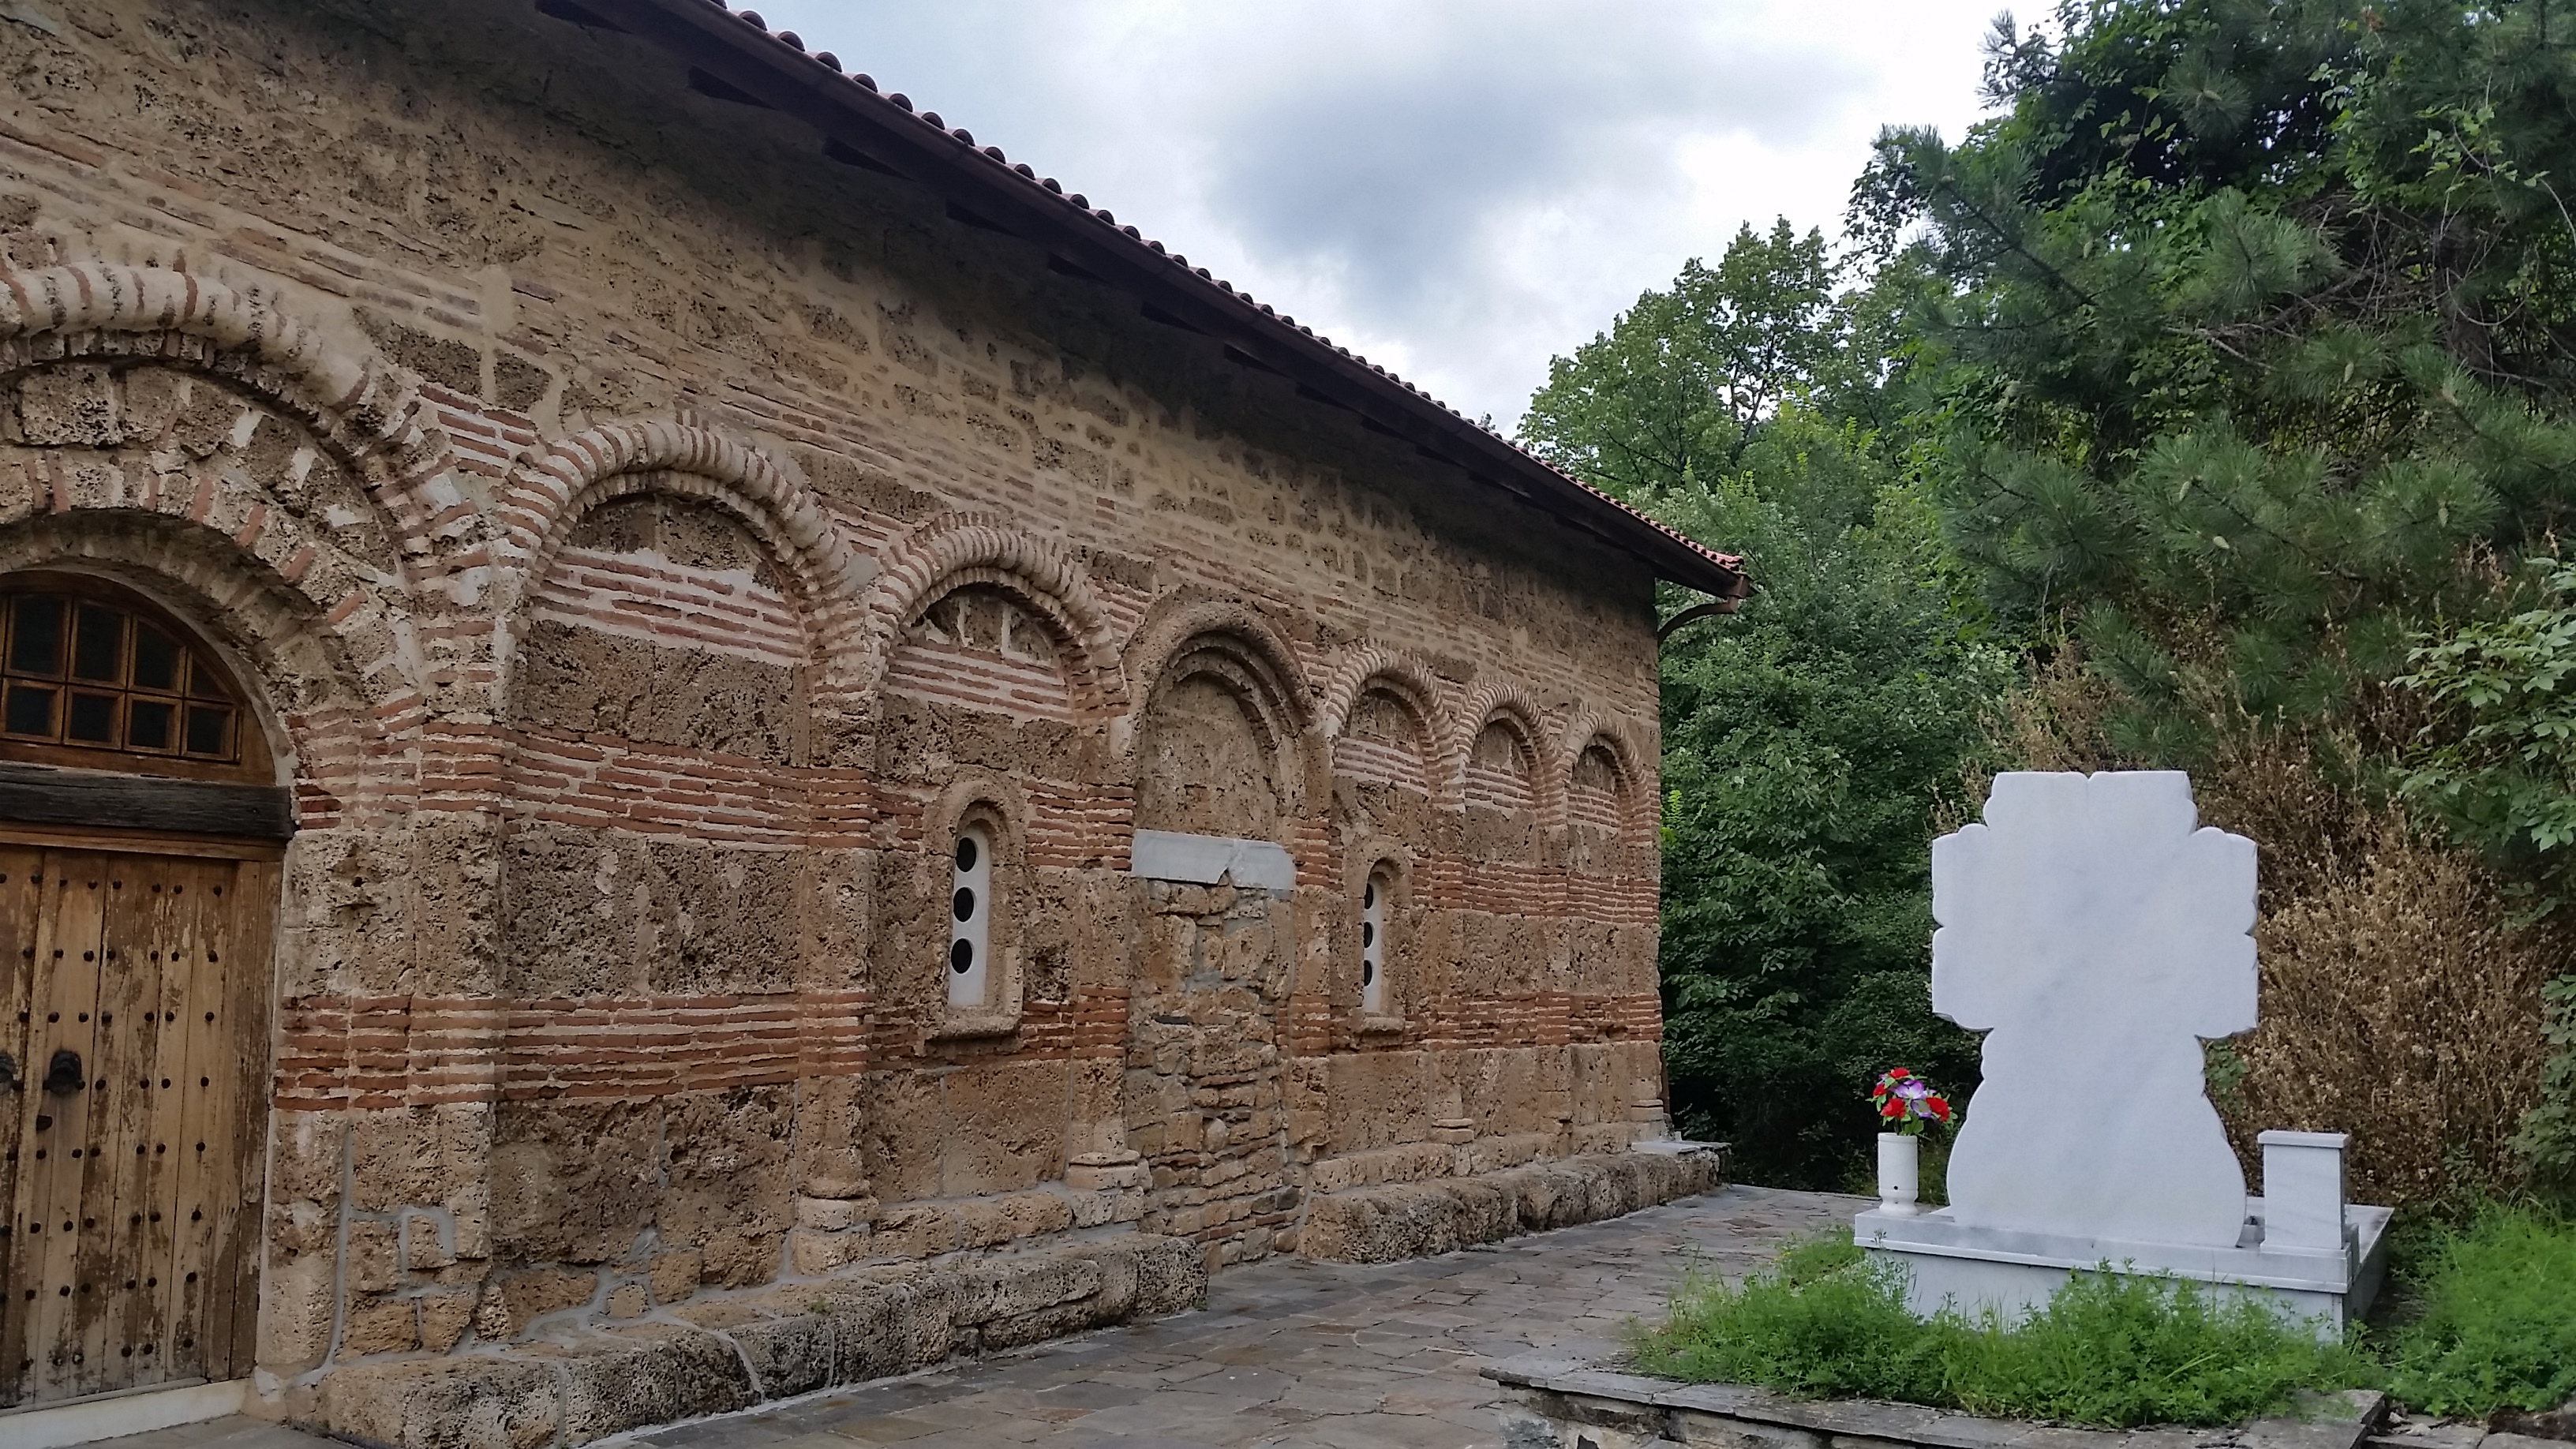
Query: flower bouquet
column 1907, row 1103
column 1907, row 1107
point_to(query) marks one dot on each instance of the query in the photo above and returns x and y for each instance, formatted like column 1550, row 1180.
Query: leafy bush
column 2497, row 1326
column 2108, row 1349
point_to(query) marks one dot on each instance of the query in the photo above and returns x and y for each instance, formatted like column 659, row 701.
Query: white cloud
column 1457, row 188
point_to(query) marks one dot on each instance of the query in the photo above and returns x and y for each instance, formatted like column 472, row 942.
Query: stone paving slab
column 1288, row 1354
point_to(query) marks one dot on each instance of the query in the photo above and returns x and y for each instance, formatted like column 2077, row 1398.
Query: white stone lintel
column 1213, row 860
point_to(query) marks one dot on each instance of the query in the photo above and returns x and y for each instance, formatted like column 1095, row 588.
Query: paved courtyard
column 1292, row 1354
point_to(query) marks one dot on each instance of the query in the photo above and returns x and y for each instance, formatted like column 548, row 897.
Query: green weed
column 2494, row 1323
column 2108, row 1349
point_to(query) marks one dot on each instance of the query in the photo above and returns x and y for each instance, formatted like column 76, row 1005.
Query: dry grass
column 2400, row 1007
column 2399, row 1002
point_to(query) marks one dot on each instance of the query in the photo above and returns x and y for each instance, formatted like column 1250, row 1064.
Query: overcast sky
column 1459, row 189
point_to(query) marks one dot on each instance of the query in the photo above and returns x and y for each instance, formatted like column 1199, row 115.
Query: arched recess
column 306, row 679
column 158, row 459
column 361, row 408
column 1382, row 717
column 1603, row 782
column 1217, row 742
column 1505, row 764
column 944, row 555
column 549, row 498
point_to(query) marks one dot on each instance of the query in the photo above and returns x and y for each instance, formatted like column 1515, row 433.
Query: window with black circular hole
column 1375, row 898
column 92, row 675
column 970, row 918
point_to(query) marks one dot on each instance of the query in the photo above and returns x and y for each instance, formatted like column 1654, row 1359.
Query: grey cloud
column 1466, row 185
column 1391, row 171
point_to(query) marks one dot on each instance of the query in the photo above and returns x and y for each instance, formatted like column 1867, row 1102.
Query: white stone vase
column 1898, row 1183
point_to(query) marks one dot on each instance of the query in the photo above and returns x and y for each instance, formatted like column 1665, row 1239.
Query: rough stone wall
column 656, row 542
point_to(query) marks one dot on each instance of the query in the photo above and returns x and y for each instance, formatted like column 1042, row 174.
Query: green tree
column 2250, row 326
column 1672, row 394
column 1808, row 737
column 2249, row 331
column 1808, row 741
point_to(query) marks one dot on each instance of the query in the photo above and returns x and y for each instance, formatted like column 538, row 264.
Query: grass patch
column 2492, row 1315
column 2110, row 1350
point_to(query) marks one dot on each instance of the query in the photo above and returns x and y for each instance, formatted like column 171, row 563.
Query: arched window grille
column 970, row 919
column 1373, row 953
column 90, row 677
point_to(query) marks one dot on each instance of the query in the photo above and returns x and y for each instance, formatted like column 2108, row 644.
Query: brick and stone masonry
column 652, row 536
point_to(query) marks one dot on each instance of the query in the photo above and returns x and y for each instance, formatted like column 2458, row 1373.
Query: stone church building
column 669, row 736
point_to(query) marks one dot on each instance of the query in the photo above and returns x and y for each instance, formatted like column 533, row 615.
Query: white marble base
column 2014, row 1272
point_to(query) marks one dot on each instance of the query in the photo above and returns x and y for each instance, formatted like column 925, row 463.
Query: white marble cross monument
column 2097, row 937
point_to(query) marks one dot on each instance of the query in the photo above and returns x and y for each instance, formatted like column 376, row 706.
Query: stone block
column 788, row 1356
column 425, row 1244
column 1171, row 1274
column 991, row 1222
column 741, row 1258
column 296, row 1309
column 1022, row 1284
column 477, row 1402
column 1105, row 1171
column 832, row 1215
column 443, row 1318
column 1036, row 1326
column 917, row 1230
column 373, row 1256
column 1384, row 1223
column 649, row 1375
column 871, row 1328
column 514, row 1302
column 385, row 1325
column 1095, row 1209
column 993, row 1143
column 674, row 1276
column 1380, row 1224
column 812, row 1254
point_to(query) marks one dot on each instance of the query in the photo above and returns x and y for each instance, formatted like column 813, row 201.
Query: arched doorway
column 141, row 829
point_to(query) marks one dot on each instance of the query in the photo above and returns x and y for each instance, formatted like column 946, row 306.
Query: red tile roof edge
column 734, row 56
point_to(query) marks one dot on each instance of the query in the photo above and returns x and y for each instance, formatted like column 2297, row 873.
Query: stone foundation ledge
column 1392, row 1221
column 1433, row 1161
column 715, row 1356
column 1565, row 1403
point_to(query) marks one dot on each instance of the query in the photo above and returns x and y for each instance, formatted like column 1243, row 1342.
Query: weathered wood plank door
column 133, row 1015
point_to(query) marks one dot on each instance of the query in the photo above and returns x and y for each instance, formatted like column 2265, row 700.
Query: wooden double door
column 133, row 1126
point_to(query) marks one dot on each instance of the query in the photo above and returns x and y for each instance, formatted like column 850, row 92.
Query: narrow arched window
column 1373, row 913
column 970, row 920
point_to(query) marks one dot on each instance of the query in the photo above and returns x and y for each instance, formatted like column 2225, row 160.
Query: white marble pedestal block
column 2099, row 936
column 2014, row 1272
